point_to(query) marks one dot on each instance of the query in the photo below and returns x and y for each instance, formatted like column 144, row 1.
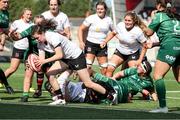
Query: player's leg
column 114, row 62
column 2, row 41
column 102, row 59
column 27, row 83
column 39, row 79
column 103, row 64
column 176, row 70
column 57, row 67
column 17, row 55
column 15, row 62
column 161, row 68
column 5, row 82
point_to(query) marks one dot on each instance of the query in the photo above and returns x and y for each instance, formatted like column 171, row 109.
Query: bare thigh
column 160, row 70
column 57, row 67
column 116, row 60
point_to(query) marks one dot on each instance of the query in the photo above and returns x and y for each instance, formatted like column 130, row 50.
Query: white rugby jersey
column 61, row 19
column 54, row 39
column 74, row 91
column 20, row 25
column 98, row 28
column 129, row 41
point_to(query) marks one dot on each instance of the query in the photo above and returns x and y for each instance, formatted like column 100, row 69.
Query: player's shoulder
column 18, row 21
column 62, row 14
column 46, row 13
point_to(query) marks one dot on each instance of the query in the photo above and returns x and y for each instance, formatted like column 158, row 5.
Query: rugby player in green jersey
column 4, row 21
column 166, row 24
column 4, row 25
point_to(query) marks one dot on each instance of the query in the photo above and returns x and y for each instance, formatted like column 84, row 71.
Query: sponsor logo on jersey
column 170, row 58
column 176, row 48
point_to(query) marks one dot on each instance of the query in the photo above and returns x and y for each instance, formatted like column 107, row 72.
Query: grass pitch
column 38, row 108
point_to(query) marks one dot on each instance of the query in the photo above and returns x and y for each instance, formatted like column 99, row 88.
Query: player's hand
column 14, row 35
column 103, row 44
column 38, row 63
column 148, row 44
column 82, row 45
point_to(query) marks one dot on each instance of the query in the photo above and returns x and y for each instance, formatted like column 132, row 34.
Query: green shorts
column 169, row 52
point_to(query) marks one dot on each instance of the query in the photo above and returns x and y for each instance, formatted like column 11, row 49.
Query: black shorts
column 134, row 56
column 18, row 53
column 76, row 64
column 95, row 49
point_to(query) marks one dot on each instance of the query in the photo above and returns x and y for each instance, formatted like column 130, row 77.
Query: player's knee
column 110, row 69
column 103, row 68
column 89, row 63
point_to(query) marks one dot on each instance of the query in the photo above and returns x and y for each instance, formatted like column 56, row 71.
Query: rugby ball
column 32, row 58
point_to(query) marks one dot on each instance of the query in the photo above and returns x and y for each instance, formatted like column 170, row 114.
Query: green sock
column 25, row 94
column 161, row 92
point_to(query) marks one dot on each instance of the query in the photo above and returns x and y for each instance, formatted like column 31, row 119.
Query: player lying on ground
column 128, row 81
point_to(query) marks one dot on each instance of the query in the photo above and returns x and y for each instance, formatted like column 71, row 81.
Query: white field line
column 174, row 98
column 172, row 91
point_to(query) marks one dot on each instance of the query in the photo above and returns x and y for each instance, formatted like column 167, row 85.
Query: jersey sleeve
column 155, row 22
column 13, row 26
column 26, row 32
column 130, row 71
column 87, row 22
column 141, row 37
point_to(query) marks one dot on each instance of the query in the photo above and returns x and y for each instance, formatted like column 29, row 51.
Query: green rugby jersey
column 4, row 19
column 134, row 82
column 165, row 27
column 130, row 83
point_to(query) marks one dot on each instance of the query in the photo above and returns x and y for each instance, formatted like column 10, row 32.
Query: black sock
column 3, row 78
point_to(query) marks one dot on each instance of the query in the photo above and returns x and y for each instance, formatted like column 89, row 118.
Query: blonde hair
column 23, row 11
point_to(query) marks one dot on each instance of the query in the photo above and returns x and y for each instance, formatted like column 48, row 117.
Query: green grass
column 138, row 106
